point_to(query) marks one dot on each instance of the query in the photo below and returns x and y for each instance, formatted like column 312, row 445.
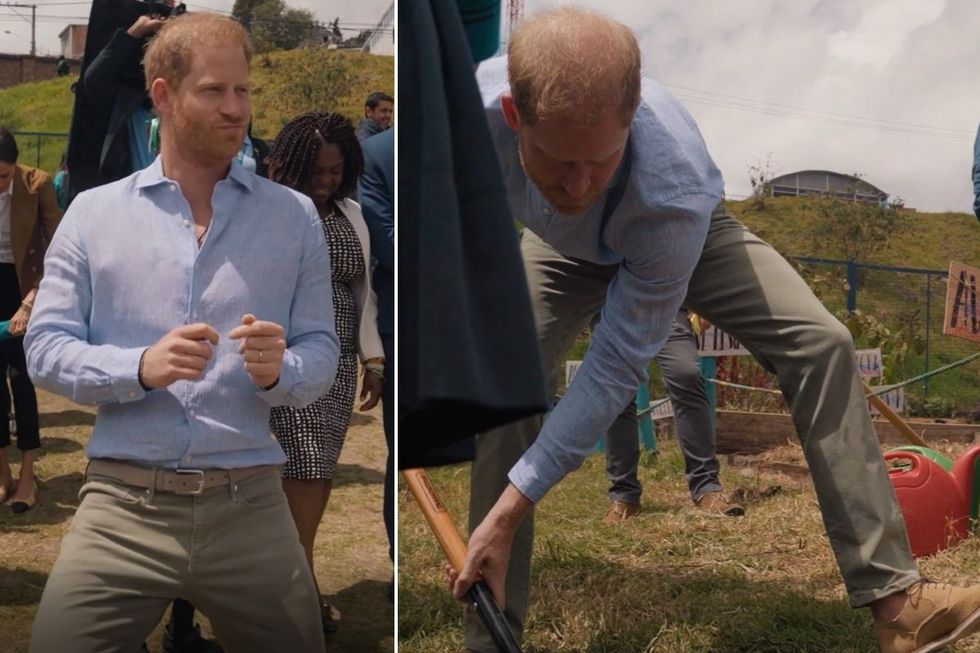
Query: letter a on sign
column 961, row 302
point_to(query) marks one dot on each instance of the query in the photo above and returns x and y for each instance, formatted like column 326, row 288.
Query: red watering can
column 933, row 505
column 966, row 472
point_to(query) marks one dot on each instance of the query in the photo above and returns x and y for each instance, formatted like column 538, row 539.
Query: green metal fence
column 41, row 149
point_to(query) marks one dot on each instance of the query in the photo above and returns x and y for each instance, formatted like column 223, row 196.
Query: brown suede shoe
column 620, row 511
column 717, row 504
column 934, row 616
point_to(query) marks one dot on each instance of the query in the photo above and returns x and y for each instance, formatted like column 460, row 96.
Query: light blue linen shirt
column 124, row 268
column 655, row 235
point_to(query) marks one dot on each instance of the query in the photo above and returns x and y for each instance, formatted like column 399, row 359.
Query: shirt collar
column 9, row 193
column 152, row 175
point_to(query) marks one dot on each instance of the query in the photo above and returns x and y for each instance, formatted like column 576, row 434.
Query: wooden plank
column 744, row 432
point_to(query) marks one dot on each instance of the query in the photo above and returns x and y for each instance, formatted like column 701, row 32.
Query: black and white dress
column 313, row 436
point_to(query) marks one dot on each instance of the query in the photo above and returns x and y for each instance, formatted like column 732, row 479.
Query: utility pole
column 33, row 9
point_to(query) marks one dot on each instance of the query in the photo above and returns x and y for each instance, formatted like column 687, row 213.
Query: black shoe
column 192, row 642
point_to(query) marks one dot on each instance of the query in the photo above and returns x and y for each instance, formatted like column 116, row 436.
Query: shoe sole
column 965, row 629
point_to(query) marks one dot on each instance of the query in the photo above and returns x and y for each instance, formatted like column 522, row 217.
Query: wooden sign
column 961, row 319
column 895, row 399
column 715, row 342
column 661, row 409
column 869, row 363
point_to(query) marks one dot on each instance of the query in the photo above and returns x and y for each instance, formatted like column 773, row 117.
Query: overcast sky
column 55, row 15
column 886, row 88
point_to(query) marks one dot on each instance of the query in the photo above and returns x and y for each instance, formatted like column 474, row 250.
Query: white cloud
column 900, row 68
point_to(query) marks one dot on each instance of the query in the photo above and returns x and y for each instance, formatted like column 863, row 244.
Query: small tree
column 273, row 25
column 760, row 176
column 854, row 230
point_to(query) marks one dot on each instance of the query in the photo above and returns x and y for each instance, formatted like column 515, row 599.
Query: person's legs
column 307, row 501
column 249, row 573
column 681, row 373
column 388, row 416
column 28, row 427
column 121, row 563
column 565, row 294
column 6, row 476
column 751, row 292
column 623, row 457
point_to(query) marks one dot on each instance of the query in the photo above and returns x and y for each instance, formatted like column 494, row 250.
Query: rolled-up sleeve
column 309, row 363
column 640, row 306
column 59, row 356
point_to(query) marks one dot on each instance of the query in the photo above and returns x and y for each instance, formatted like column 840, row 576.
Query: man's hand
column 145, row 26
column 181, row 354
column 488, row 551
column 371, row 388
column 18, row 323
column 263, row 344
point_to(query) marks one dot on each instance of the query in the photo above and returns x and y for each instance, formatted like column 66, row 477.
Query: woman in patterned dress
column 318, row 154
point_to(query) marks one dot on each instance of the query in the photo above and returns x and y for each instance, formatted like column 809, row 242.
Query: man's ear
column 511, row 116
column 161, row 95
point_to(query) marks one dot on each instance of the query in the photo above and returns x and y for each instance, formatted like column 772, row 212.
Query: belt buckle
column 200, row 473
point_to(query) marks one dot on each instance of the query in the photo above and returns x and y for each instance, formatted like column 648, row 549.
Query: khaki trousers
column 232, row 551
column 745, row 287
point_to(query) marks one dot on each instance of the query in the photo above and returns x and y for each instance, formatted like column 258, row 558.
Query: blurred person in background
column 318, row 155
column 29, row 216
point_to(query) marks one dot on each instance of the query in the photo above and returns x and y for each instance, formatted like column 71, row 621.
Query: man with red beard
column 185, row 301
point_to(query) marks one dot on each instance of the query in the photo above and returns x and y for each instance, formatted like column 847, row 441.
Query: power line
column 824, row 120
column 789, row 110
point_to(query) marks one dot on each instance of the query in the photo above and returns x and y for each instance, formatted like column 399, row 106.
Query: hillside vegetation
column 284, row 84
column 924, row 240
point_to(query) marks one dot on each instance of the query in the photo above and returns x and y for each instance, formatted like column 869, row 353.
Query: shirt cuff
column 124, row 375
column 534, row 474
column 278, row 394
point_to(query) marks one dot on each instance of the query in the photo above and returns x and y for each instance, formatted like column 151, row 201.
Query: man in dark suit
column 377, row 196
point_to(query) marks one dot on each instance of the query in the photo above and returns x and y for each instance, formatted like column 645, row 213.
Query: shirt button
column 173, row 186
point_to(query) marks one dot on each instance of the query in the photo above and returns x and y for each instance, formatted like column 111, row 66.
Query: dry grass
column 668, row 580
column 351, row 553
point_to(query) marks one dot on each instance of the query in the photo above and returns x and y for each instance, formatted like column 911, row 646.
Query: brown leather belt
column 177, row 481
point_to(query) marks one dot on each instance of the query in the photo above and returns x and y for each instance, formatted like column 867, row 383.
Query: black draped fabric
column 467, row 347
column 93, row 110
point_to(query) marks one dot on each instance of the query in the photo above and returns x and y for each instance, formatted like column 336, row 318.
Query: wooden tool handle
column 435, row 513
column 893, row 417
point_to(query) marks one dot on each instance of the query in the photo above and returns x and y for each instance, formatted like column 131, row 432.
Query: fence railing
column 41, row 149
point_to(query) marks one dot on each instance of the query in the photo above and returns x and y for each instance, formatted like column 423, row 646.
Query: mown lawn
column 351, row 552
column 668, row 580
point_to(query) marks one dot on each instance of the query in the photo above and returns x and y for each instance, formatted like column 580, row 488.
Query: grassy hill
column 285, row 84
column 924, row 240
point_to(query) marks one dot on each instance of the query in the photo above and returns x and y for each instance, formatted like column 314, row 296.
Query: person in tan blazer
column 29, row 215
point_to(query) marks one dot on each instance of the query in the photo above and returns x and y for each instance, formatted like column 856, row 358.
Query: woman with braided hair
column 318, row 154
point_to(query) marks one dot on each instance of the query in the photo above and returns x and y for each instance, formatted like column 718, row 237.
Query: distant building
column 825, row 182
column 73, row 41
column 381, row 39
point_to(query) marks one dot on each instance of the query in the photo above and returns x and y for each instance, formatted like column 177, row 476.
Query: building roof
column 807, row 182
